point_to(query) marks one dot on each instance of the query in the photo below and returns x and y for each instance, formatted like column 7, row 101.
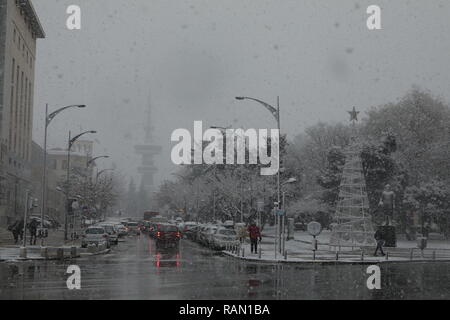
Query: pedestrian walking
column 33, row 231
column 16, row 228
column 12, row 229
column 380, row 242
column 255, row 236
column 242, row 233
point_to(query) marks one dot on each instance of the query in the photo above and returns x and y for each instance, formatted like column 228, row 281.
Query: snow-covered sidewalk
column 299, row 250
column 13, row 253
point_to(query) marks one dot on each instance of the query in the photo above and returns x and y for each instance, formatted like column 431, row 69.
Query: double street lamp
column 48, row 119
column 71, row 141
column 276, row 114
column 89, row 162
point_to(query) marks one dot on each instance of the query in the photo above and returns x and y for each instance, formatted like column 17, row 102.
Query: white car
column 113, row 235
column 121, row 230
column 208, row 235
column 95, row 235
column 223, row 237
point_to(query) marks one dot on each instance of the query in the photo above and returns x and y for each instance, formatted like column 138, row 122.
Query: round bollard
column 92, row 248
column 44, row 252
column 73, row 252
column 23, row 252
column 60, row 253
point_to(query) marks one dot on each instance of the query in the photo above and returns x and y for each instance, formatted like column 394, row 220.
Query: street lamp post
column 71, row 141
column 48, row 119
column 283, row 227
column 276, row 113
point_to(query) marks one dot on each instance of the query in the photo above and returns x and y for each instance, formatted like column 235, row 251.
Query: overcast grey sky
column 193, row 57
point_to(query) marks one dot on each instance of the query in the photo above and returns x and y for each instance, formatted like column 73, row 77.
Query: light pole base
column 23, row 252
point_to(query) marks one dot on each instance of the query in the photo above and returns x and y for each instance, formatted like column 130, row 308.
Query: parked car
column 113, row 235
column 300, row 226
column 201, row 233
column 207, row 235
column 190, row 230
column 228, row 224
column 167, row 234
column 95, row 235
column 121, row 230
column 223, row 237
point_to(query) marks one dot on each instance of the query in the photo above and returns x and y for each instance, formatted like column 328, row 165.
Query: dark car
column 167, row 235
column 153, row 229
column 145, row 226
column 300, row 226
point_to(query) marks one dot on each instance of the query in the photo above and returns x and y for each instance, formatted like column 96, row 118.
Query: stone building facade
column 19, row 30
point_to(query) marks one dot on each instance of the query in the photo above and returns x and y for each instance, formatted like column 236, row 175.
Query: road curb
column 80, row 255
column 331, row 262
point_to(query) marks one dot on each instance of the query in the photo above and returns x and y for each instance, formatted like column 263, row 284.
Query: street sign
column 75, row 205
column 280, row 212
column 314, row 228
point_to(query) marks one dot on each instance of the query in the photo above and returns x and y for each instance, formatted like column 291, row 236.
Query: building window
column 11, row 104
column 16, row 108
column 52, row 164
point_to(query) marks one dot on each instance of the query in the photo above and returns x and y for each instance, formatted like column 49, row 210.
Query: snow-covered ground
column 299, row 249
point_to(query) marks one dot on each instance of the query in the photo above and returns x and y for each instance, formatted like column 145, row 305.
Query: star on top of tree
column 353, row 114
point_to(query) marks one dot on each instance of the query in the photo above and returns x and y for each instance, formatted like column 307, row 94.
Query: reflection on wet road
column 136, row 270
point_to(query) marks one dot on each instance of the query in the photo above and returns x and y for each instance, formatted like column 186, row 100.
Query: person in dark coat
column 17, row 230
column 380, row 242
column 33, row 231
column 255, row 235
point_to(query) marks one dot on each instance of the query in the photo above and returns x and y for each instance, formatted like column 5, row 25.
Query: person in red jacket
column 255, row 235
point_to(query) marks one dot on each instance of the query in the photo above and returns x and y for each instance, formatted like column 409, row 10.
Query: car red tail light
column 159, row 234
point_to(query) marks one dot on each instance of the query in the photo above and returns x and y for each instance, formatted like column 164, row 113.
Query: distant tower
column 354, row 223
column 148, row 150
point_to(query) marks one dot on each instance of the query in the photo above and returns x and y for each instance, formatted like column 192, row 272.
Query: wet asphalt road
column 136, row 270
